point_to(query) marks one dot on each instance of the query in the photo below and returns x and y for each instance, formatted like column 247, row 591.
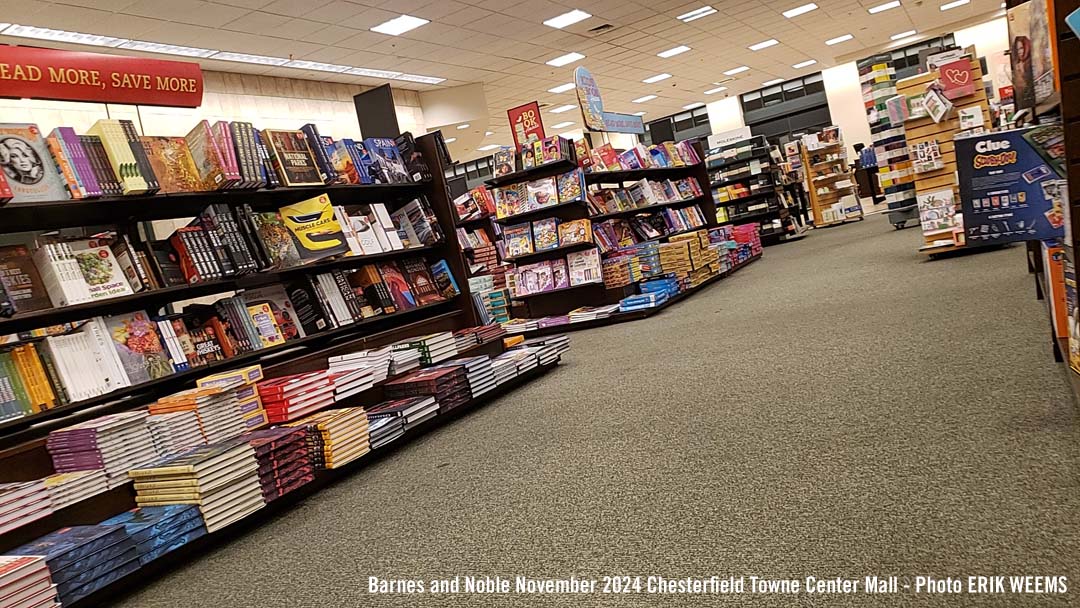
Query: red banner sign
column 72, row 76
column 525, row 123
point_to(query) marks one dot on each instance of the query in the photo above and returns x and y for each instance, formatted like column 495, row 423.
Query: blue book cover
column 102, row 582
column 387, row 167
column 143, row 523
column 89, row 562
column 96, row 571
column 168, row 537
column 175, row 543
column 361, row 160
column 67, row 545
column 444, row 279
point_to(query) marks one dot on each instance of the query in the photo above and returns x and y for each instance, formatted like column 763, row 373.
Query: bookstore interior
column 247, row 254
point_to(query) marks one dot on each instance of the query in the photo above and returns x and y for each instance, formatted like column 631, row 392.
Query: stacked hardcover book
column 394, row 417
column 478, row 372
column 382, row 431
column 116, row 443
column 284, row 461
column 523, row 360
column 66, row 489
column 505, row 369
column 25, row 581
column 84, row 559
column 159, row 530
column 23, row 502
column 448, row 385
column 291, row 397
column 243, row 382
column 175, row 432
column 377, row 359
column 404, row 360
column 336, row 437
column 433, row 348
column 548, row 349
column 353, row 382
column 217, row 409
column 222, row 479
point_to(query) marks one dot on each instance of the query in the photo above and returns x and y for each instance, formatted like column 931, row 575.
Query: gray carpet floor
column 843, row 407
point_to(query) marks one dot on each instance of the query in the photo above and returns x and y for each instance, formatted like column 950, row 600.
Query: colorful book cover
column 571, row 185
column 550, row 150
column 575, row 231
column 584, row 267
column 172, row 163
column 25, row 162
column 542, row 193
column 545, row 234
column 504, row 161
column 137, row 342
column 560, row 275
column 421, row 282
column 518, row 239
column 293, row 158
column 534, row 278
column 398, row 286
column 316, row 232
column 21, row 280
column 511, row 200
column 208, row 160
column 102, row 273
column 281, row 307
column 342, row 161
column 276, row 240
column 387, row 167
column 444, row 279
column 262, row 316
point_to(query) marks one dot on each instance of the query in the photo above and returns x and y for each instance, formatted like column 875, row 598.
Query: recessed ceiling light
column 488, row 147
column 561, row 109
column 873, row 10
column 764, row 45
column 319, row 67
column 562, row 125
column 954, row 4
column 415, row 78
column 657, row 78
column 42, row 33
column 800, row 10
column 642, row 113
column 769, row 83
column 245, row 58
column 903, row 35
column 562, row 88
column 672, row 52
column 450, row 140
column 463, row 126
column 488, row 133
column 399, row 25
column 373, row 73
column 1002, row 5
column 565, row 59
column 716, row 90
column 566, row 19
column 166, row 49
column 643, row 99
column 839, row 39
column 691, row 106
column 804, row 64
column 738, row 70
column 704, row 11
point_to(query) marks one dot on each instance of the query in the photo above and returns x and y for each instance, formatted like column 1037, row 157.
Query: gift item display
column 886, row 112
column 834, row 195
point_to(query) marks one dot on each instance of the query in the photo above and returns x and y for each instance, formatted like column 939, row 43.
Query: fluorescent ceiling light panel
column 800, row 10
column 839, row 39
column 657, row 78
column 41, row 33
column 738, row 70
column 691, row 106
column 566, row 19
column 769, row 83
column 488, row 133
column 399, row 25
column 463, row 126
column 643, row 99
column 566, row 59
column 319, row 67
column 672, row 52
column 450, row 140
column 804, row 64
column 373, row 73
column 873, row 10
column 415, row 78
column 704, row 11
column 166, row 49
column 562, row 125
column 562, row 88
column 955, row 4
column 716, row 90
column 245, row 58
column 642, row 113
column 488, row 147
column 561, row 109
column 902, row 35
column 764, row 45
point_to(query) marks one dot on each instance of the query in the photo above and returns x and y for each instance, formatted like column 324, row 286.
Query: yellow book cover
column 263, row 318
column 122, row 159
column 314, row 228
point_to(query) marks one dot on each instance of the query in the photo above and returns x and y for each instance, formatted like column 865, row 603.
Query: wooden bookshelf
column 835, row 168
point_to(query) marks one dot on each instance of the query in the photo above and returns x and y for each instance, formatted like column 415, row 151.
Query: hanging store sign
column 38, row 73
column 592, row 108
column 526, row 124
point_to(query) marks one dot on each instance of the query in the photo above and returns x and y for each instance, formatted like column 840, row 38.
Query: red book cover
column 187, row 260
column 5, row 190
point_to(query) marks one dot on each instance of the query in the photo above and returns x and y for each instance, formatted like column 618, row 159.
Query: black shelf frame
column 752, row 197
column 552, row 253
column 542, row 212
column 473, row 221
column 549, row 169
column 753, row 216
column 559, row 290
column 633, row 175
column 714, row 165
column 648, row 208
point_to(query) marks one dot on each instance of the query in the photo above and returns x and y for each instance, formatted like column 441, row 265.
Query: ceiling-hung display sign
column 592, row 108
column 96, row 77
column 526, row 124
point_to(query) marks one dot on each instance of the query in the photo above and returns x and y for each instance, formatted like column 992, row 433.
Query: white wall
column 844, row 93
column 725, row 115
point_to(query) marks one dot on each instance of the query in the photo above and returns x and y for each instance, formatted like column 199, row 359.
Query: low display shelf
column 556, row 167
column 559, row 290
column 605, row 177
column 554, row 252
column 647, row 208
column 541, row 211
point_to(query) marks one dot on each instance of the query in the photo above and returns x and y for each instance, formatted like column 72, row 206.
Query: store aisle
column 841, row 408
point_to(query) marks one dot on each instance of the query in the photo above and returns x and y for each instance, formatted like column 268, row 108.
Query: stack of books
column 66, row 489
column 175, row 432
column 384, row 430
column 116, row 443
column 291, row 397
column 523, row 360
column 589, row 313
column 243, row 381
column 642, row 302
column 448, row 385
column 25, row 581
column 520, row 326
column 478, row 372
column 217, row 409
column 284, row 462
column 23, row 502
column 378, row 359
column 336, row 437
column 350, row 383
column 404, row 360
column 159, row 530
column 505, row 369
column 83, row 559
column 222, row 478
column 433, row 348
column 553, row 321
column 464, row 339
column 548, row 349
column 394, row 417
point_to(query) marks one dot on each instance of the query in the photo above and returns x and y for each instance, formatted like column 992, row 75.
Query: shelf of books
column 747, row 183
column 834, row 195
column 272, row 305
column 885, row 111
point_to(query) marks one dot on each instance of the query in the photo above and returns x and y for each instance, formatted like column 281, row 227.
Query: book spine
column 64, row 165
column 234, row 238
column 140, row 269
column 251, row 154
column 268, row 173
column 347, row 293
column 199, row 252
column 120, row 155
column 326, row 169
column 321, row 297
column 188, row 265
column 254, row 245
column 82, row 163
column 105, row 173
column 53, row 376
column 139, row 152
column 329, row 291
column 220, row 255
column 18, row 384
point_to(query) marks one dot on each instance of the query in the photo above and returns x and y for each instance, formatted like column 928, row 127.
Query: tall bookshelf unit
column 748, row 184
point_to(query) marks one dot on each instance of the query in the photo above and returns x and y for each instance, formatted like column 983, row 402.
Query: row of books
column 643, row 193
column 106, row 354
column 544, row 234
column 578, row 268
column 617, row 233
column 603, row 158
column 113, row 159
column 524, row 197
